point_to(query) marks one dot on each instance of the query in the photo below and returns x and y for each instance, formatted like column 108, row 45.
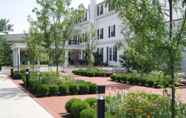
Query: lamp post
column 27, row 73
column 100, row 102
column 12, row 72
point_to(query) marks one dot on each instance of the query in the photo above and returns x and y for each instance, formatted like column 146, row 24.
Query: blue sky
column 17, row 12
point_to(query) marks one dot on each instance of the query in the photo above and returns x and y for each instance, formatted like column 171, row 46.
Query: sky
column 17, row 12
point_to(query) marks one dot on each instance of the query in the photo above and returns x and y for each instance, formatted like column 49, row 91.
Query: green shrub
column 83, row 88
column 57, row 86
column 73, row 88
column 154, row 79
column 90, row 72
column 92, row 88
column 53, row 90
column 88, row 113
column 125, row 106
column 91, row 102
column 77, row 107
column 42, row 90
column 63, row 89
column 68, row 105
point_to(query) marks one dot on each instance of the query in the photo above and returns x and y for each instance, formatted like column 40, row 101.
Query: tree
column 54, row 24
column 5, row 55
column 34, row 43
column 90, row 44
column 146, row 20
column 5, row 27
column 62, row 26
column 145, row 38
column 43, row 24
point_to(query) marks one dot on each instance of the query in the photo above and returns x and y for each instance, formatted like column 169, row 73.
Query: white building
column 108, row 34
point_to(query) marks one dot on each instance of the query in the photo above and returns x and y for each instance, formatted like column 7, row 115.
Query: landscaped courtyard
column 55, row 104
column 93, row 59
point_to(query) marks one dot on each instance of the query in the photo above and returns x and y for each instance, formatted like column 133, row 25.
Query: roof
column 16, row 37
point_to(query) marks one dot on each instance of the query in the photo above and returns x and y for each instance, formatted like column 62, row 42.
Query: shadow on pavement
column 8, row 93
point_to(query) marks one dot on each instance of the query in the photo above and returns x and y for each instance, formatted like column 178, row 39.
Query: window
column 112, row 31
column 99, row 10
column 115, row 54
column 100, row 33
column 85, row 18
column 110, row 52
column 107, row 54
column 76, row 40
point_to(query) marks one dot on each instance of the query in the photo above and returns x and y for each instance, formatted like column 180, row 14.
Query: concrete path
column 14, row 103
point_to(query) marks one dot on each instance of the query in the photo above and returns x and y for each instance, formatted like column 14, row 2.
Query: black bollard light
column 100, row 102
column 27, row 73
column 12, row 72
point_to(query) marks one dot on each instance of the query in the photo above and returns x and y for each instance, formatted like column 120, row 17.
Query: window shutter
column 109, row 31
column 98, row 34
column 114, row 30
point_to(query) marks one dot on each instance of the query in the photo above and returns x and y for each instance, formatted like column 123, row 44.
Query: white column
column 105, row 54
column 16, row 59
column 66, row 58
column 81, row 55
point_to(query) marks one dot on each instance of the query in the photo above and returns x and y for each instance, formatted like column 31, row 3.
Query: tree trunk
column 172, row 61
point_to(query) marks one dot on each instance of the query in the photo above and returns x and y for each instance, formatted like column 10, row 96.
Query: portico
column 16, row 55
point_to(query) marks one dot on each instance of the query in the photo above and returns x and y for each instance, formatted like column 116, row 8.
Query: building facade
column 108, row 34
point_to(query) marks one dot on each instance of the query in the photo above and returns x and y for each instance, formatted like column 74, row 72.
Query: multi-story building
column 108, row 29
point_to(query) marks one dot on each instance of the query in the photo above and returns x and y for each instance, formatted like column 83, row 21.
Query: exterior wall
column 108, row 18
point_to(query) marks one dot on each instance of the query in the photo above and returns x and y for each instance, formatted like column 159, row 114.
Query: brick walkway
column 56, row 105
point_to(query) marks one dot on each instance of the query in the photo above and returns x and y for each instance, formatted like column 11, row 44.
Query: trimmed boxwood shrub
column 73, row 88
column 154, row 79
column 92, row 88
column 77, row 107
column 83, row 88
column 90, row 72
column 42, row 90
column 88, row 113
column 53, row 90
column 68, row 105
column 63, row 89
column 91, row 102
column 54, row 85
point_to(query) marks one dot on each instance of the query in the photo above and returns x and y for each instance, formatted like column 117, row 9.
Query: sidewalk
column 14, row 103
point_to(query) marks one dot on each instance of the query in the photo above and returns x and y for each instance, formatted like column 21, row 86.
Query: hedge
column 50, row 84
column 154, row 79
column 81, row 108
column 91, row 72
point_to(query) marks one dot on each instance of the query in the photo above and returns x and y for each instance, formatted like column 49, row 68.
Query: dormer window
column 99, row 10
